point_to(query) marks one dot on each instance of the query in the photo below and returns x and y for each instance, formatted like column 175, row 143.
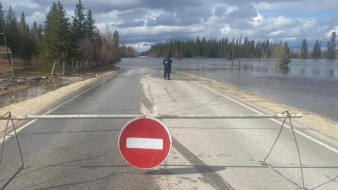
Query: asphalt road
column 206, row 154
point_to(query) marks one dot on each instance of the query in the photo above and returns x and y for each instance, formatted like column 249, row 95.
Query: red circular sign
column 145, row 142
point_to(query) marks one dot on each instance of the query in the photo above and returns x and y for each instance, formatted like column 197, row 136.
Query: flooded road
column 310, row 85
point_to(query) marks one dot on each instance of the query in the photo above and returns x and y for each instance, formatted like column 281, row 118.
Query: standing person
column 167, row 68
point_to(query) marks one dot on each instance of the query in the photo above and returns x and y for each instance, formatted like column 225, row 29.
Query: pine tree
column 36, row 36
column 89, row 44
column 89, row 27
column 331, row 47
column 12, row 31
column 266, row 52
column 34, row 32
column 26, row 44
column 22, row 24
column 316, row 51
column 116, row 44
column 2, row 15
column 2, row 25
column 57, row 42
column 78, row 26
column 116, row 38
column 230, row 51
column 303, row 51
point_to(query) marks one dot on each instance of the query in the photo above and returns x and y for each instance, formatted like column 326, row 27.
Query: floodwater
column 38, row 89
column 25, row 71
column 309, row 84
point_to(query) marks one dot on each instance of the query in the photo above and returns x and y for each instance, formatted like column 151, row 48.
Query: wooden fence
column 76, row 67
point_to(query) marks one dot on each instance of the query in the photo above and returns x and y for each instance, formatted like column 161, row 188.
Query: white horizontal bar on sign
column 145, row 143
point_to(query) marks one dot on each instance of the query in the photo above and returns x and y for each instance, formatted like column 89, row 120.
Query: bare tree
column 281, row 54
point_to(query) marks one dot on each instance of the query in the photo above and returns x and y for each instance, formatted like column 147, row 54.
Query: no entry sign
column 145, row 142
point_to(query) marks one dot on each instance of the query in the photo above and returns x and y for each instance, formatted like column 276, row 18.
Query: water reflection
column 248, row 67
column 263, row 69
column 282, row 69
column 330, row 72
column 316, row 72
column 38, row 89
column 302, row 71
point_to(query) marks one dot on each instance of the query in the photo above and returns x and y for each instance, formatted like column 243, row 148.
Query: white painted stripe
column 252, row 109
column 145, row 143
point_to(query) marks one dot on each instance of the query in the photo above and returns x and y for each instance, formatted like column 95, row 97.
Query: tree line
column 231, row 49
column 223, row 48
column 60, row 39
column 317, row 53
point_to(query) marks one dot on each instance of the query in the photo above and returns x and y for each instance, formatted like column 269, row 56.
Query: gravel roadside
column 40, row 104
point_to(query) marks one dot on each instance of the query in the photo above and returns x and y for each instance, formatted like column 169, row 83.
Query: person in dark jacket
column 167, row 68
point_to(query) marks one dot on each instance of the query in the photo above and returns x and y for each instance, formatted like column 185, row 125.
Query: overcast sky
column 145, row 22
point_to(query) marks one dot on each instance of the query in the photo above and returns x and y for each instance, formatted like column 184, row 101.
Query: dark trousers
column 167, row 71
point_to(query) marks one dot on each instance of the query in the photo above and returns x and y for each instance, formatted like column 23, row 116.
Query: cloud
column 140, row 46
column 151, row 22
column 158, row 31
column 167, row 19
column 246, row 10
column 296, row 7
column 145, row 22
column 131, row 23
column 334, row 29
column 220, row 11
column 276, row 33
column 138, row 13
column 38, row 17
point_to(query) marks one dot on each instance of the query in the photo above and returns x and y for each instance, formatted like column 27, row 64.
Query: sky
column 142, row 23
